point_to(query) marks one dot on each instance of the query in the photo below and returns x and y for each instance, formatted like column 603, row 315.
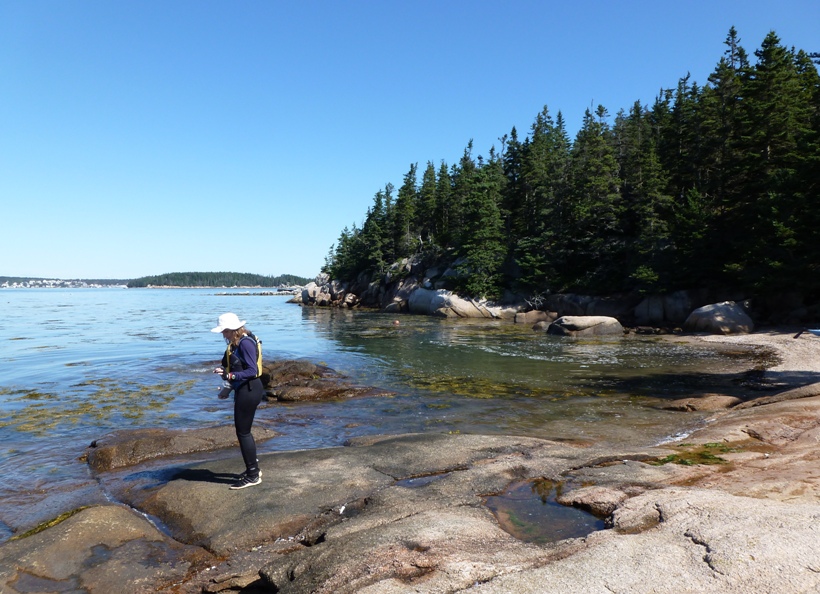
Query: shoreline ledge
column 344, row 519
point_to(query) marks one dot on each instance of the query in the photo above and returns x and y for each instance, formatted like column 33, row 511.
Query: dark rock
column 303, row 381
column 130, row 447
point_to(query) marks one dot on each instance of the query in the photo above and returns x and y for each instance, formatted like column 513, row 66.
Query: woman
column 241, row 367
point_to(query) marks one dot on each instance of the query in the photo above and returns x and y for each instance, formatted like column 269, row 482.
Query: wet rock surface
column 130, row 447
column 407, row 514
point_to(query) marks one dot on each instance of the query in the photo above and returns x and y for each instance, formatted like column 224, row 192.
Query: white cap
column 228, row 321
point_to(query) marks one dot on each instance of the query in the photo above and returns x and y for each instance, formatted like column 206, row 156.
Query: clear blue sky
column 152, row 136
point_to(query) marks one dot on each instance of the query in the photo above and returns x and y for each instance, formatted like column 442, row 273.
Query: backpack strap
column 258, row 352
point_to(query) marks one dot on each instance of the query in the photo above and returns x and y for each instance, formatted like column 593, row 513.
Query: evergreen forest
column 715, row 185
column 217, row 279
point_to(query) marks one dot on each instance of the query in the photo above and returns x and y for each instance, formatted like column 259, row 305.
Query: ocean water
column 80, row 363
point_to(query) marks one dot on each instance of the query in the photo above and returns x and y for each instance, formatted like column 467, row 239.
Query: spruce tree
column 426, row 211
column 777, row 120
column 482, row 246
column 512, row 155
column 646, row 205
column 404, row 216
column 716, row 202
column 714, row 186
column 807, row 177
column 463, row 176
column 444, row 187
column 375, row 236
column 595, row 260
column 541, row 214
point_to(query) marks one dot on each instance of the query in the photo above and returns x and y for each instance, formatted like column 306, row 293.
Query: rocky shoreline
column 408, row 513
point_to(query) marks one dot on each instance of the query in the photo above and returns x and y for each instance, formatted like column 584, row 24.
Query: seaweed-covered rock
column 303, row 381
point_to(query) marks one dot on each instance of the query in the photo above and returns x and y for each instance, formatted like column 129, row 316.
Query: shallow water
column 79, row 363
column 529, row 511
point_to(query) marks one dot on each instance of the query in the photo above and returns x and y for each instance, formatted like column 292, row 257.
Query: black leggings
column 247, row 398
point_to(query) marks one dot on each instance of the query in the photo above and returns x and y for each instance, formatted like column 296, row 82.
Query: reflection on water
column 77, row 364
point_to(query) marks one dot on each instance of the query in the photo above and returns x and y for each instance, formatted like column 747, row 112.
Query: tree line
column 217, row 279
column 712, row 186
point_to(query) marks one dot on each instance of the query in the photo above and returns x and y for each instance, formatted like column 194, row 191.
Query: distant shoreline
column 269, row 290
column 69, row 285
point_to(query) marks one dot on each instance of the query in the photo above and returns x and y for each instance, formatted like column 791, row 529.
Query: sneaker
column 246, row 481
column 245, row 473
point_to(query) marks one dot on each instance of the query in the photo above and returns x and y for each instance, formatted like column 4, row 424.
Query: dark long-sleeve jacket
column 241, row 360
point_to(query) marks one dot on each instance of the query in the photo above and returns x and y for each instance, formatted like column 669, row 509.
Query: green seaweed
column 105, row 399
column 486, row 388
column 49, row 523
column 690, row 454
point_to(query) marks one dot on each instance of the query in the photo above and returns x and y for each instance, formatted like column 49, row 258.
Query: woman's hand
column 219, row 370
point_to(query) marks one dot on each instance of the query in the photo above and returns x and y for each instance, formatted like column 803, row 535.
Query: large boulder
column 350, row 300
column 314, row 293
column 338, row 290
column 719, row 318
column 309, row 293
column 396, row 299
column 467, row 308
column 428, row 302
column 585, row 326
column 446, row 304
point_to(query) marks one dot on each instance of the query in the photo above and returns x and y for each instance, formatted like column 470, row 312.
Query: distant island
column 173, row 279
column 18, row 282
column 217, row 279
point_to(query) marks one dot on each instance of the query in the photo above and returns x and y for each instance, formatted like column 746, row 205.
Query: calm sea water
column 77, row 364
